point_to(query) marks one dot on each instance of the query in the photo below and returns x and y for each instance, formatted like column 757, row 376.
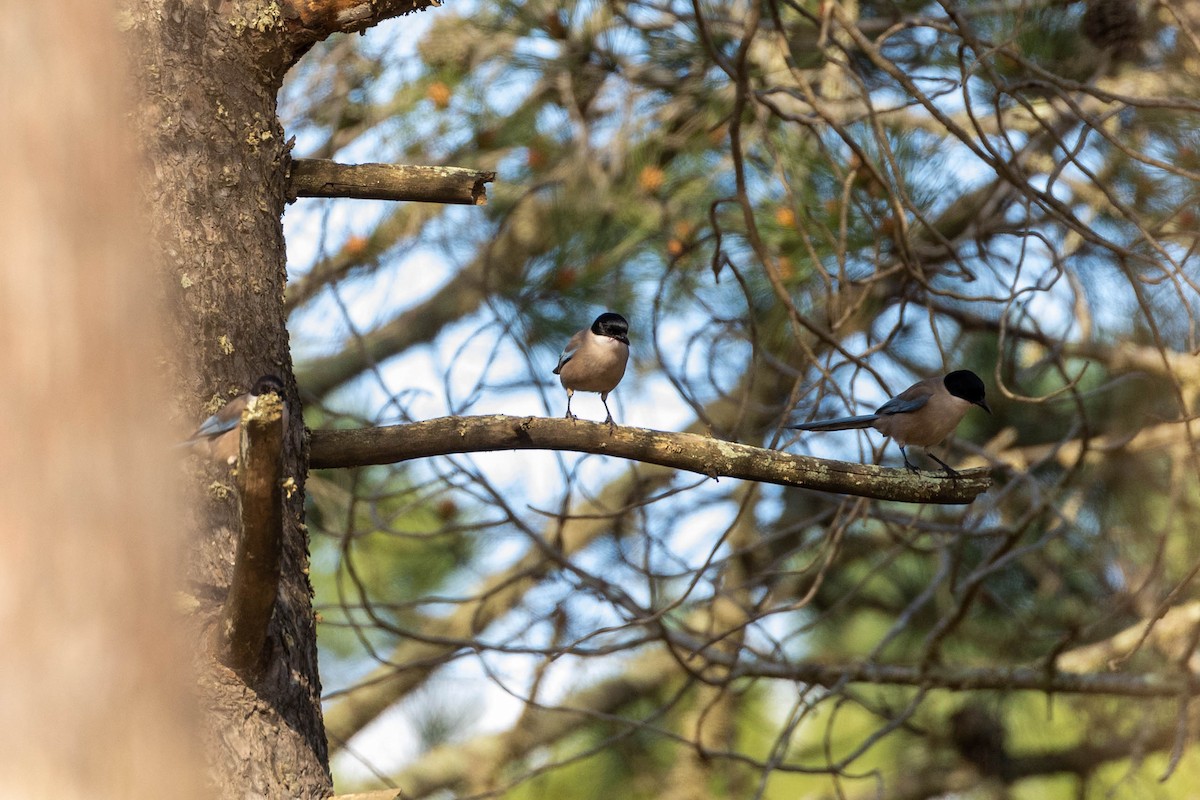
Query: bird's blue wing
column 563, row 359
column 216, row 425
column 570, row 350
column 903, row 405
column 225, row 420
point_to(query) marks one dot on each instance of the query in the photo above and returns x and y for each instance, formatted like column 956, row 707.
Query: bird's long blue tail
column 840, row 424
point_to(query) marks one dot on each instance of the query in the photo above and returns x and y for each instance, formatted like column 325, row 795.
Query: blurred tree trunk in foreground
column 95, row 682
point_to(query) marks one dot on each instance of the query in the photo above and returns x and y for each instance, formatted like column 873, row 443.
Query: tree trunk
column 208, row 74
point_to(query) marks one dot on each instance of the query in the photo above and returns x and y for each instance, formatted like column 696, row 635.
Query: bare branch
column 937, row 779
column 255, row 583
column 523, row 236
column 963, row 679
column 317, row 177
column 1165, row 634
column 1167, row 435
column 405, row 222
column 1116, row 357
column 1086, row 758
column 450, row 766
column 416, row 657
column 687, row 451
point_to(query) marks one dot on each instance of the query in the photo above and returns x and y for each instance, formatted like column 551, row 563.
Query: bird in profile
column 594, row 360
column 219, row 436
column 924, row 414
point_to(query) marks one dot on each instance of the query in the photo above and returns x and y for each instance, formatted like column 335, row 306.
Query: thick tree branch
column 313, row 20
column 700, row 454
column 588, row 519
column 314, row 177
column 251, row 601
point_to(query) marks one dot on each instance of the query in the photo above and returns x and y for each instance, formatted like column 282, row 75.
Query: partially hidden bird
column 219, row 436
column 924, row 414
column 594, row 360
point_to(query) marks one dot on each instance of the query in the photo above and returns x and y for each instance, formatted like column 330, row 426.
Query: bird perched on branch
column 924, row 414
column 594, row 360
column 219, row 436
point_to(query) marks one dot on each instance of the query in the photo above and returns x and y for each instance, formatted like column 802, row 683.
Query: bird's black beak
column 983, row 404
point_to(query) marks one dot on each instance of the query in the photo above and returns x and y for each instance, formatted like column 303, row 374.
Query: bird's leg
column 908, row 464
column 612, row 425
column 570, row 393
column 953, row 472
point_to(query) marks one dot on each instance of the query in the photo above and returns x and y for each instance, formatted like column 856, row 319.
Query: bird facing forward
column 219, row 436
column 594, row 360
column 924, row 414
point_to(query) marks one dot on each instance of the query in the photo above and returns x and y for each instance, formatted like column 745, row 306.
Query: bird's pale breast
column 597, row 366
column 928, row 426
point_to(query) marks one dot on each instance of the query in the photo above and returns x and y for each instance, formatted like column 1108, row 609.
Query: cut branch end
column 314, row 177
column 255, row 584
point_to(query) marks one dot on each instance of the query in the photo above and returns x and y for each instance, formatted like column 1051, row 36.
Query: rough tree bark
column 208, row 75
column 206, row 117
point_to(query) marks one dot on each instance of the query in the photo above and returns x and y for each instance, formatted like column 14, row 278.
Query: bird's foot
column 611, row 423
column 570, row 416
column 908, row 464
column 951, row 471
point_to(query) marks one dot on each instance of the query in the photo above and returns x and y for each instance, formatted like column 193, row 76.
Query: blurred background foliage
column 802, row 207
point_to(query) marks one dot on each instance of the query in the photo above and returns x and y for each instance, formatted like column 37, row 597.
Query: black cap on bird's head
column 966, row 385
column 267, row 384
column 613, row 326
